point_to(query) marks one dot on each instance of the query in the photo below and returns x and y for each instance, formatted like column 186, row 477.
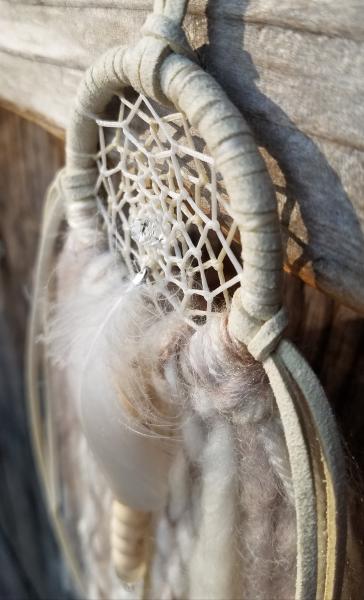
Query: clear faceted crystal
column 146, row 231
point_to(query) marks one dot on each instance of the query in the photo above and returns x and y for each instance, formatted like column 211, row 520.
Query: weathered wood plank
column 30, row 565
column 295, row 69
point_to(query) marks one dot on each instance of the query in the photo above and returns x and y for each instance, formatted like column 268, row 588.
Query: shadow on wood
column 30, row 565
column 312, row 198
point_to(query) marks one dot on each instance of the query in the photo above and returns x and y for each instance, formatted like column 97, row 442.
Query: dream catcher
column 158, row 316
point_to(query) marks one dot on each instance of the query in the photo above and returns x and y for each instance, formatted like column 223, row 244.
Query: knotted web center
column 165, row 207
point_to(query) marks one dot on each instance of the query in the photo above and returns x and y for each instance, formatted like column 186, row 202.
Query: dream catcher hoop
column 163, row 175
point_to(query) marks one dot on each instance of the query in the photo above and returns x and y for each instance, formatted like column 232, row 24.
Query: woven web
column 165, row 208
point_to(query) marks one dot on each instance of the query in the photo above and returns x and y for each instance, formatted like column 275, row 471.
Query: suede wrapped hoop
column 162, row 66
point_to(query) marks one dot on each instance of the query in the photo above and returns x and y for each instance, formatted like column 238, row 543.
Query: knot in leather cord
column 268, row 336
column 161, row 36
column 169, row 32
column 260, row 337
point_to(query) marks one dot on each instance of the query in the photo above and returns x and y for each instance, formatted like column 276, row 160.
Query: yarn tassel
column 214, row 561
column 241, row 474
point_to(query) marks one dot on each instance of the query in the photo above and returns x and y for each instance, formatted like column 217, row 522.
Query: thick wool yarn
column 238, row 463
column 228, row 512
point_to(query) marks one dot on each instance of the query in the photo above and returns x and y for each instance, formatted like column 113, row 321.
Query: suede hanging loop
column 162, row 35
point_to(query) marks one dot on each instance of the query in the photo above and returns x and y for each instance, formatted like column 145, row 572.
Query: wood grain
column 294, row 68
column 29, row 560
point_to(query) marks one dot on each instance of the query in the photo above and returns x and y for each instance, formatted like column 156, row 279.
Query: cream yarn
column 229, row 507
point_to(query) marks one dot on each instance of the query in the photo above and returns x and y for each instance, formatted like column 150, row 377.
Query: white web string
column 165, row 208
